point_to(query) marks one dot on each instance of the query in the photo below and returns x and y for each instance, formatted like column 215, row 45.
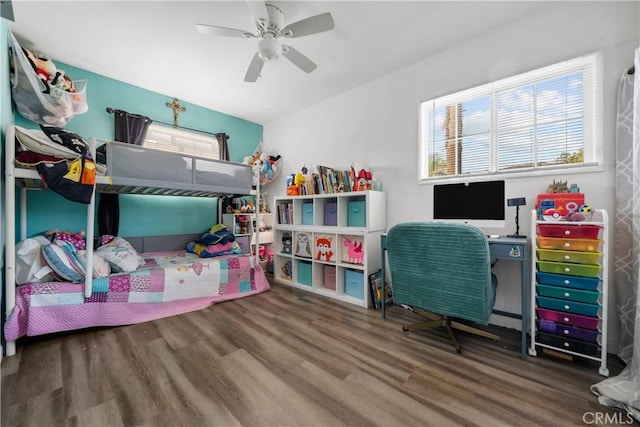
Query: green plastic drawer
column 569, row 269
column 574, row 257
column 580, row 295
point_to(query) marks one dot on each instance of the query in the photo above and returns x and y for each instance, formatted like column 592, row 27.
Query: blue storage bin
column 356, row 216
column 574, row 307
column 353, row 283
column 243, row 242
column 307, row 213
column 305, row 276
column 331, row 213
column 577, row 282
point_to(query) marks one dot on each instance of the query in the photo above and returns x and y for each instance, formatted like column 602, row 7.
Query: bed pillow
column 62, row 259
column 30, row 266
column 37, row 141
column 101, row 267
column 121, row 255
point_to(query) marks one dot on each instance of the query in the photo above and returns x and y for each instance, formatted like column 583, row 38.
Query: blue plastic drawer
column 307, row 213
column 356, row 216
column 587, row 283
column 331, row 213
column 568, row 306
column 589, row 297
column 353, row 283
column 305, row 276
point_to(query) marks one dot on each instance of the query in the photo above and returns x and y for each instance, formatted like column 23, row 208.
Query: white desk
column 501, row 248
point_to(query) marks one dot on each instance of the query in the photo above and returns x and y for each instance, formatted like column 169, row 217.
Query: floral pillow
column 121, row 255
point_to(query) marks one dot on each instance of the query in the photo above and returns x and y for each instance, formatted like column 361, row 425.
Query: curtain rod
column 112, row 110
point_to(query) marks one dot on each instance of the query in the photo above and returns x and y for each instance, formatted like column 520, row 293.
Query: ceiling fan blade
column 215, row 30
column 298, row 59
column 255, row 67
column 312, row 25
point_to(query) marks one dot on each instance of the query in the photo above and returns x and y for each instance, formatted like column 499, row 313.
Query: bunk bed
column 166, row 281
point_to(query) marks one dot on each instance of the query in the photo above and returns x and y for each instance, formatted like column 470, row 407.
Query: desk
column 507, row 248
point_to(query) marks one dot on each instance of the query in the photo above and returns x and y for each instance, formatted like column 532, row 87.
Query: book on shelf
column 375, row 290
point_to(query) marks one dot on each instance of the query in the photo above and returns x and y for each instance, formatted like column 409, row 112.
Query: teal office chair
column 443, row 272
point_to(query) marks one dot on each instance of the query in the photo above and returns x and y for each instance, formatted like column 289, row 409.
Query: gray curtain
column 223, row 145
column 623, row 391
column 132, row 129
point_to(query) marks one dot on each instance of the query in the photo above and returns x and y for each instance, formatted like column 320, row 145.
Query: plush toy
column 267, row 167
column 363, row 181
column 299, row 179
column 293, row 190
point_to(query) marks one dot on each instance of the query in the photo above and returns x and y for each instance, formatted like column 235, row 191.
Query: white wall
column 376, row 124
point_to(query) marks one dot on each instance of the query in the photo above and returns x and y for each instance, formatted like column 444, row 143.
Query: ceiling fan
column 270, row 27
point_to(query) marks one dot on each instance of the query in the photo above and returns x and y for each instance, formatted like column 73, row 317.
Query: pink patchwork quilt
column 168, row 284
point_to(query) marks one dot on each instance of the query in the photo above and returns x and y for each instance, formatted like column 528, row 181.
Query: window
column 182, row 141
column 536, row 121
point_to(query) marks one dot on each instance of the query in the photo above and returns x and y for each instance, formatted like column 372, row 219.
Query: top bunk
column 135, row 169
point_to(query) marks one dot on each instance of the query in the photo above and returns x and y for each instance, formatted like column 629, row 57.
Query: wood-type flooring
column 290, row 358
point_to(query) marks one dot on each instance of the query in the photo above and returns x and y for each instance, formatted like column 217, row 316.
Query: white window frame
column 178, row 140
column 593, row 146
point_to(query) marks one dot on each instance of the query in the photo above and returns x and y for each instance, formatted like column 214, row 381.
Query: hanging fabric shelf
column 45, row 95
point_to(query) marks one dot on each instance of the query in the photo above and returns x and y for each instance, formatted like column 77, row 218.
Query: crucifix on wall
column 177, row 109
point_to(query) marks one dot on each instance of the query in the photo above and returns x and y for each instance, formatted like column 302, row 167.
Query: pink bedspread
column 168, row 284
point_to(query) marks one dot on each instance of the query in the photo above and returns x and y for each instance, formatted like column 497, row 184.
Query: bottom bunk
column 169, row 283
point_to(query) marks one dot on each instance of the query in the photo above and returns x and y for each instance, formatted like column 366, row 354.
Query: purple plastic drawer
column 551, row 327
column 568, row 318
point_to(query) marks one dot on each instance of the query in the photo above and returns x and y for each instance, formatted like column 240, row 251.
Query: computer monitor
column 479, row 203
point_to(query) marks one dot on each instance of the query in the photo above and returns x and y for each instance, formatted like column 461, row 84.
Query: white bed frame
column 29, row 179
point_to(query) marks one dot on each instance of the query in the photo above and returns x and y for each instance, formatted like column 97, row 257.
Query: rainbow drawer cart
column 569, row 287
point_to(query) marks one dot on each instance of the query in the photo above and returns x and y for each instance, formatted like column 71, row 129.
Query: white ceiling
column 154, row 45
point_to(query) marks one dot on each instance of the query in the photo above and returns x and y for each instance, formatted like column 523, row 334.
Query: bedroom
column 366, row 112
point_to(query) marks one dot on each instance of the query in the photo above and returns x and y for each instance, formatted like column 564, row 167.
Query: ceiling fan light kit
column 269, row 28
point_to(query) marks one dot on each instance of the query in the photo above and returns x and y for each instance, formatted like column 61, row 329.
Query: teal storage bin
column 353, row 283
column 307, row 213
column 356, row 214
column 591, row 310
column 305, row 276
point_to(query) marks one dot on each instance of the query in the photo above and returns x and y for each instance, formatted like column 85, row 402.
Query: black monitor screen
column 472, row 201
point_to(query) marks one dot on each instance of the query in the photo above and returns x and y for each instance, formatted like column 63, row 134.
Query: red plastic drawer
column 577, row 231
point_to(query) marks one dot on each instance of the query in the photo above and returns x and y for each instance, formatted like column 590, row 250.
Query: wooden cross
column 177, row 109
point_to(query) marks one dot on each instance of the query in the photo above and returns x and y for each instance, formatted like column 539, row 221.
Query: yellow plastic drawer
column 569, row 269
column 583, row 245
column 573, row 257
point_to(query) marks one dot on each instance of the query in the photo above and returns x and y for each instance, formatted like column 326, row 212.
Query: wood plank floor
column 289, row 358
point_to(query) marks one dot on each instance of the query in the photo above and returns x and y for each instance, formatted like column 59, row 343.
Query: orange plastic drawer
column 569, row 231
column 573, row 257
column 584, row 245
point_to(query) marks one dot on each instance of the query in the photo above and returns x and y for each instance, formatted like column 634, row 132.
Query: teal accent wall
column 6, row 117
column 139, row 215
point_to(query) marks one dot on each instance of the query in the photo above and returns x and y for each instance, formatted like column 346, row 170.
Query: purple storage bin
column 549, row 326
column 568, row 318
